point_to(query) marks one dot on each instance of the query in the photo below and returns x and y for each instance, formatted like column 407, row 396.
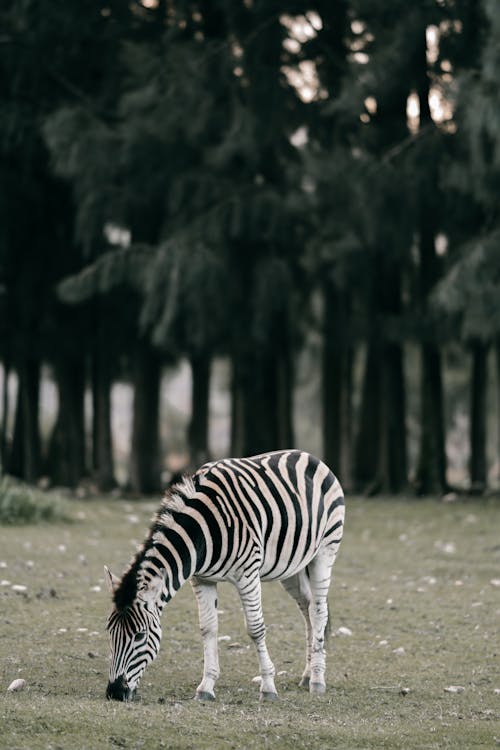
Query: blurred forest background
column 289, row 208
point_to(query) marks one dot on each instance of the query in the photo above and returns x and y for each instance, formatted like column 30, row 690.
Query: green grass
column 411, row 575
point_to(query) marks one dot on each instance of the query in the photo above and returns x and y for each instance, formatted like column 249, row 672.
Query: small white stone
column 224, row 638
column 3, row 564
column 454, row 689
column 16, row 686
column 497, row 691
column 61, row 548
column 343, row 631
column 19, row 587
column 4, row 582
column 257, row 679
column 495, row 582
column 95, row 588
column 81, row 630
column 398, row 651
column 447, row 548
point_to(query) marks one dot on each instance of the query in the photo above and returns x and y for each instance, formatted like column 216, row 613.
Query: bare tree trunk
column 337, row 383
column 66, row 455
column 145, row 458
column 431, row 467
column 24, row 460
column 392, row 468
column 102, row 443
column 5, row 416
column 497, row 352
column 237, row 409
column 366, row 448
column 479, row 384
column 284, row 375
column 198, row 426
column 262, row 395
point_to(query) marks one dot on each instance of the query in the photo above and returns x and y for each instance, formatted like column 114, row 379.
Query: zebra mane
column 173, row 502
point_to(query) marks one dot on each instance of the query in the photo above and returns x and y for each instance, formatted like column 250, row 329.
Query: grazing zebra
column 277, row 516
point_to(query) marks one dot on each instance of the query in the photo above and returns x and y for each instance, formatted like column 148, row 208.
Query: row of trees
column 184, row 179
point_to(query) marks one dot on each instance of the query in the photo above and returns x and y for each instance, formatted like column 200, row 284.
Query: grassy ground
column 413, row 583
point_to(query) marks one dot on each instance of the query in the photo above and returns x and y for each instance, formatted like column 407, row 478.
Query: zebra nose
column 119, row 690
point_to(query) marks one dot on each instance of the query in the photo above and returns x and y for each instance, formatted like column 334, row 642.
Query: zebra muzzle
column 119, row 690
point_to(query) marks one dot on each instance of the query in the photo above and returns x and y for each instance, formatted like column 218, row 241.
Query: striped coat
column 277, row 516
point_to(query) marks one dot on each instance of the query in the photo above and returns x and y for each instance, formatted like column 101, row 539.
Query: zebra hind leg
column 319, row 570
column 299, row 589
column 250, row 593
column 206, row 596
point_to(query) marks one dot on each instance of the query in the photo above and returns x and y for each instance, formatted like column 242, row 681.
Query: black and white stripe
column 277, row 516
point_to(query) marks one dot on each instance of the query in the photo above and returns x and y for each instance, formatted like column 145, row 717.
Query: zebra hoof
column 304, row 683
column 269, row 696
column 204, row 696
column 317, row 688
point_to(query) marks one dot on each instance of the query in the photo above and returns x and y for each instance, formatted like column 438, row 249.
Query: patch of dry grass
column 415, row 582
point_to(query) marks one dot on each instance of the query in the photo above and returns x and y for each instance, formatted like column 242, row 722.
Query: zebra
column 278, row 516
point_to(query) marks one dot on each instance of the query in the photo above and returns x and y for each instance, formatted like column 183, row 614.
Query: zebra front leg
column 206, row 596
column 250, row 593
column 319, row 570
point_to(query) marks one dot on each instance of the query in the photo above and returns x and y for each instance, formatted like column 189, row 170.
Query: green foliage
column 22, row 504
column 125, row 267
column 185, row 305
column 471, row 289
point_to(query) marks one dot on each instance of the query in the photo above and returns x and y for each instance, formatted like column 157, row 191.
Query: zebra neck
column 172, row 555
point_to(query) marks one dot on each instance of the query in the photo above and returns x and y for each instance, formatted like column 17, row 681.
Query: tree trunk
column 497, row 352
column 392, row 464
column 381, row 458
column 102, row 443
column 31, row 376
column 337, row 383
column 284, row 400
column 431, row 468
column 237, row 409
column 366, row 454
column 262, row 398
column 66, row 455
column 198, row 426
column 25, row 455
column 478, row 472
column 15, row 461
column 5, row 417
column 145, row 457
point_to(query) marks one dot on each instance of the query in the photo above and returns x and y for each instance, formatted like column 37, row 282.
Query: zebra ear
column 111, row 580
column 151, row 591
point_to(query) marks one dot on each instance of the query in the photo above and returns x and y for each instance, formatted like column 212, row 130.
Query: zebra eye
column 140, row 637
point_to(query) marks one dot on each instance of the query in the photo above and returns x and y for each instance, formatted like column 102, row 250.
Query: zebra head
column 135, row 635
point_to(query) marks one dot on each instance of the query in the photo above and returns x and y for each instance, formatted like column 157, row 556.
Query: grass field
column 417, row 584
